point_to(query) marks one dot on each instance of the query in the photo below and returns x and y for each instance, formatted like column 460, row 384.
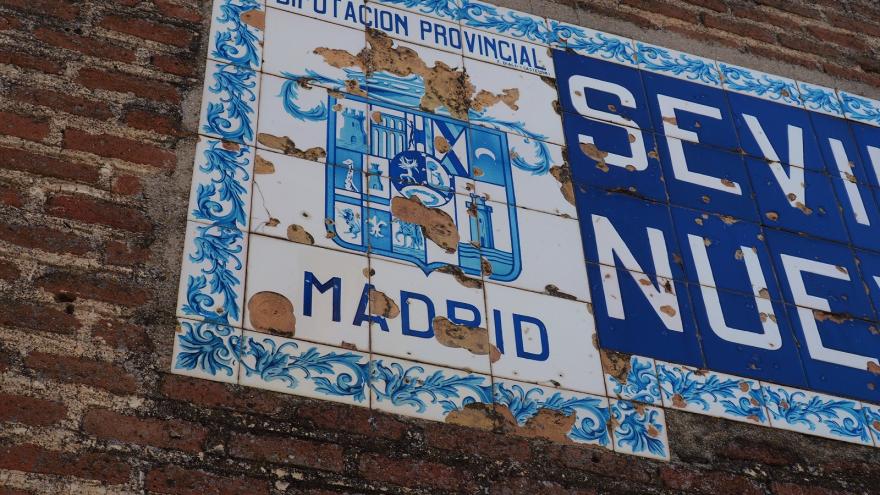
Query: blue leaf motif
column 226, row 191
column 440, row 8
column 676, row 381
column 206, row 347
column 230, row 118
column 217, row 248
column 841, row 417
column 694, row 69
column 637, row 430
column 404, row 386
column 641, row 382
column 816, row 98
column 485, row 16
column 858, row 108
column 238, row 44
column 740, row 79
column 348, row 376
column 604, row 45
column 289, row 96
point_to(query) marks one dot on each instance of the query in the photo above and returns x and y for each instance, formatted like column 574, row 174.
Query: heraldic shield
column 395, row 151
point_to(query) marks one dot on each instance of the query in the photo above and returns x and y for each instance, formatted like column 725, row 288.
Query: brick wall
column 98, row 102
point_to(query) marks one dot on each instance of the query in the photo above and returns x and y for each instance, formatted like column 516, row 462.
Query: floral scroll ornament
column 739, row 79
column 637, row 428
column 641, row 383
column 222, row 200
column 598, row 44
column 239, row 42
column 842, row 417
column 816, row 98
column 212, row 294
column 230, row 117
column 511, row 23
column 404, row 386
column 207, row 347
column 681, row 382
column 858, row 108
column 684, row 65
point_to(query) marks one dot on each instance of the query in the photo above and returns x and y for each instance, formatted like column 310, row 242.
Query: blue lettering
column 452, row 313
column 362, row 314
column 406, row 299
column 311, row 282
column 518, row 321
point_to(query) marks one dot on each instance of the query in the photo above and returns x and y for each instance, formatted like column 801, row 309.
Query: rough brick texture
column 97, row 102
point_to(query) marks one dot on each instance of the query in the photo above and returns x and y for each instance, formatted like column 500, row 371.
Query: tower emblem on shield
column 382, row 150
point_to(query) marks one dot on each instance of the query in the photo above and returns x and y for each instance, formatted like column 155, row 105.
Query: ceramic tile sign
column 463, row 213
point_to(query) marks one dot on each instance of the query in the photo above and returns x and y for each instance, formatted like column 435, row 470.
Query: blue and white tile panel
column 859, row 108
column 760, row 84
column 680, row 65
column 236, row 35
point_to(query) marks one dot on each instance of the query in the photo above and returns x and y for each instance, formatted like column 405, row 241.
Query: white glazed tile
column 872, row 419
column 518, row 55
column 212, row 276
column 503, row 21
column 234, row 36
column 631, row 377
column 760, row 84
column 816, row 414
column 550, row 252
column 287, row 277
column 444, row 9
column 678, row 64
column 592, row 43
column 540, row 176
column 299, row 48
column 398, row 77
column 221, row 184
column 419, row 301
column 860, row 109
column 206, row 350
column 343, row 12
column 424, row 391
column 526, row 106
column 639, row 430
column 301, row 368
column 289, row 203
column 435, row 33
column 711, row 393
column 820, row 99
column 543, row 339
column 229, row 102
column 525, row 401
column 294, row 120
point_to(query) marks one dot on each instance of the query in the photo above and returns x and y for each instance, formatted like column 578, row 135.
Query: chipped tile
column 639, row 430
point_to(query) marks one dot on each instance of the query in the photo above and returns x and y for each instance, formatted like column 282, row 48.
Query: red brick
column 354, row 420
column 180, row 481
column 33, row 459
column 122, row 336
column 745, row 29
column 666, row 8
column 522, row 485
column 94, row 287
column 151, row 121
column 221, row 396
column 716, row 5
column 25, row 161
column 803, row 44
column 848, row 40
column 96, row 211
column 600, row 462
column 771, row 455
column 129, row 185
column 127, row 83
column 44, row 238
column 415, row 473
column 475, row 442
column 6, row 490
column 793, row 8
column 122, row 254
column 118, row 147
column 39, row 317
column 64, row 102
column 175, row 11
column 851, row 72
column 788, row 56
column 85, row 45
column 709, row 482
column 173, row 65
column 802, row 489
column 8, row 22
column 8, row 270
column 767, row 17
column 62, row 9
column 30, row 410
column 148, row 30
column 703, row 34
column 84, row 371
column 642, row 20
column 293, row 451
column 11, row 197
column 27, row 61
column 24, row 126
column 163, row 433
